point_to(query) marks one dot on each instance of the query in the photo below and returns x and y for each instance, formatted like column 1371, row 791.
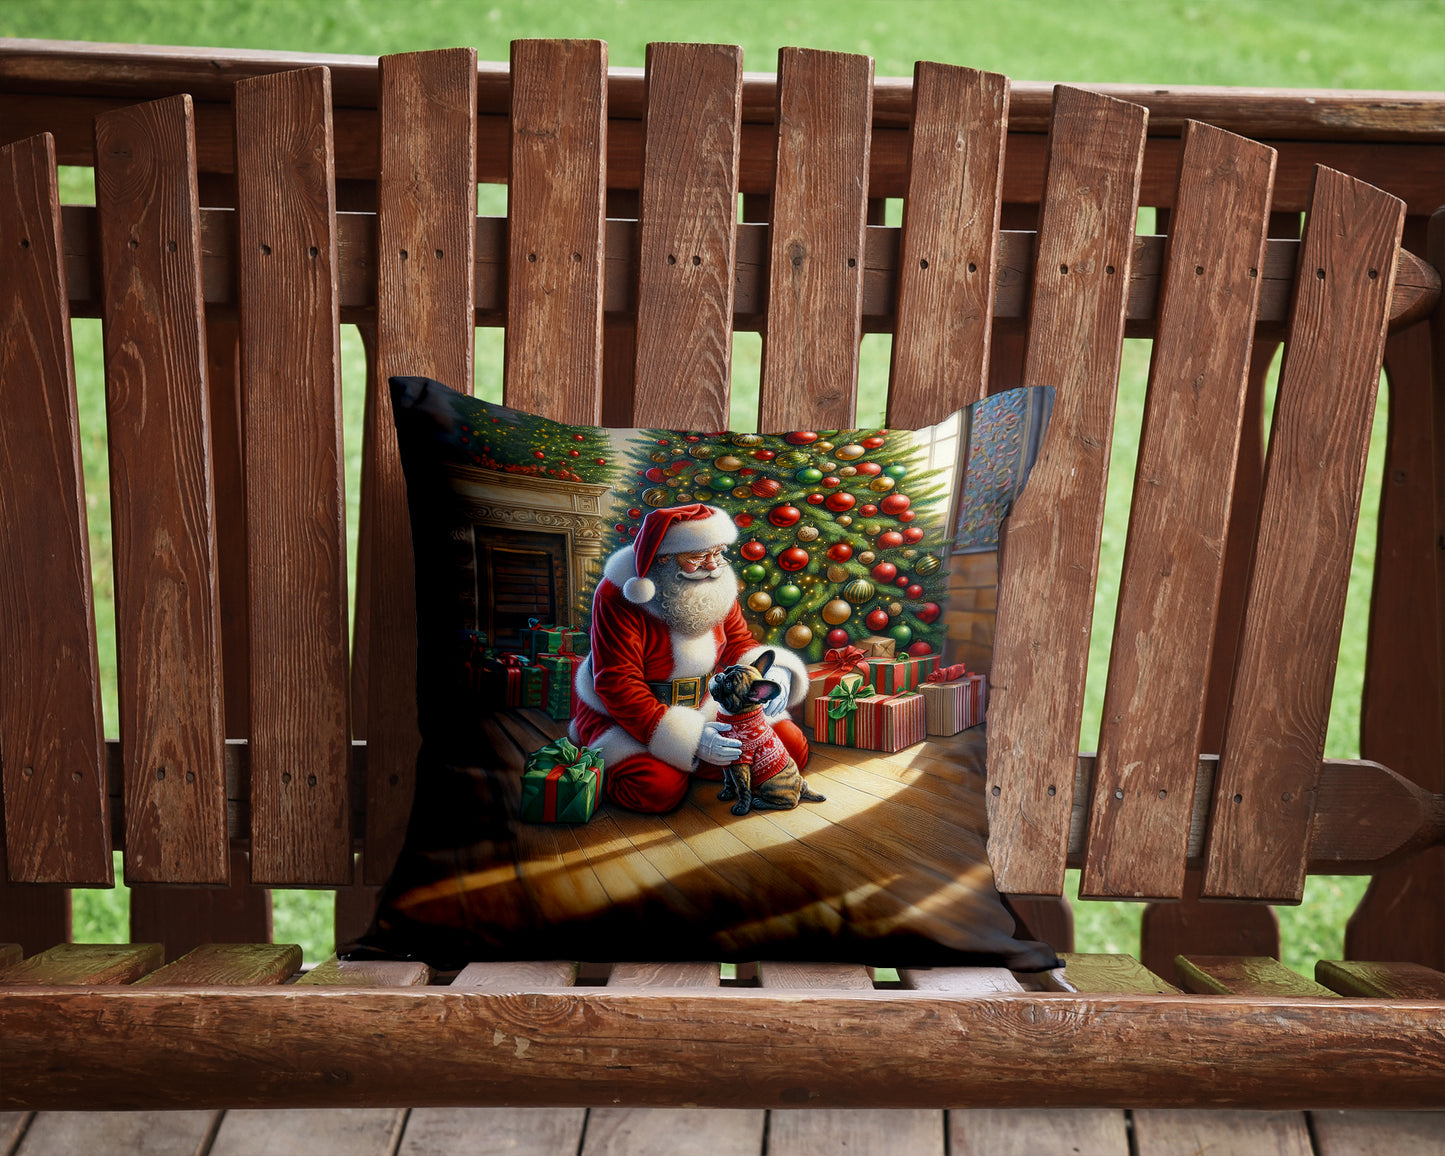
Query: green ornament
column 793, row 459
column 896, row 471
column 722, row 483
column 809, row 475
column 788, row 595
column 755, row 573
column 902, row 634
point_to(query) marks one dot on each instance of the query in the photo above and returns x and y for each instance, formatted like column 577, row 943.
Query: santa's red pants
column 645, row 783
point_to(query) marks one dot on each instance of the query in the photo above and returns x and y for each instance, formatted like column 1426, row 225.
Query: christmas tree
column 494, row 437
column 839, row 531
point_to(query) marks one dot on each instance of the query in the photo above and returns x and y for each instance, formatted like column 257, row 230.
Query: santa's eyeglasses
column 712, row 559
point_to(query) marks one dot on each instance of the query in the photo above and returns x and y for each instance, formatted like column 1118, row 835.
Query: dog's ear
column 763, row 662
column 763, row 689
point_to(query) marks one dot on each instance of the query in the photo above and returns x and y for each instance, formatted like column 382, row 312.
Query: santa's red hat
column 675, row 530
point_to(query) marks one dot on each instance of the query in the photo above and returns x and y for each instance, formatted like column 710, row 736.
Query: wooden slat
column 1383, row 980
column 1342, row 1133
column 426, row 216
column 168, row 631
column 517, row 976
column 1191, row 925
column 335, row 972
column 85, row 963
column 1097, row 972
column 867, row 1132
column 664, row 975
column 816, row 260
column 674, row 1132
column 1275, row 732
column 555, row 205
column 1032, row 1131
column 687, row 236
column 947, row 267
column 319, row 1132
column 228, row 963
column 184, row 918
column 1243, row 975
column 1174, row 1131
column 56, row 819
column 959, row 980
column 151, row 1133
column 1046, row 592
column 515, row 1131
column 1155, row 697
column 814, row 976
column 33, row 915
column 300, row 745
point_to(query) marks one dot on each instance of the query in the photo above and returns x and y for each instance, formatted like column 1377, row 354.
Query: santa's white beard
column 692, row 606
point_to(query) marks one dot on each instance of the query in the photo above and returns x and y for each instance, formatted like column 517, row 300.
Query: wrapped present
column 539, row 638
column 534, row 686
column 853, row 714
column 507, row 673
column 902, row 673
column 876, row 646
column 559, row 698
column 561, row 783
column 824, row 676
column 954, row 700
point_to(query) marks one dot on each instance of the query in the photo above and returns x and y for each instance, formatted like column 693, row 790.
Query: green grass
column 1307, row 43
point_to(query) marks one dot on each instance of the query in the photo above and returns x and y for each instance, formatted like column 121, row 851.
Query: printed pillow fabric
column 696, row 696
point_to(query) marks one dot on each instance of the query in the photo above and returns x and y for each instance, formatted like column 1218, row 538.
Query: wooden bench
column 247, row 203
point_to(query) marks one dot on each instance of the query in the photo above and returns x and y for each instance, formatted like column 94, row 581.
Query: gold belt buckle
column 687, row 692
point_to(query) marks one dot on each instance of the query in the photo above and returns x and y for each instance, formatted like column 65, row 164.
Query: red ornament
column 764, row 455
column 920, row 649
column 753, row 551
column 663, row 442
column 634, row 513
column 574, row 453
column 801, row 438
column 815, row 499
column 840, row 552
column 907, row 516
column 601, row 461
column 912, row 534
column 888, row 540
column 655, row 475
column 885, row 571
column 840, row 501
column 793, row 558
column 744, row 520
column 577, row 437
column 746, row 472
column 894, row 504
column 538, row 454
column 928, row 613
column 901, row 581
column 914, row 591
column 620, row 528
column 633, row 530
column 838, row 637
column 693, row 438
column 766, row 487
column 785, row 516
column 868, row 510
column 876, row 620
column 868, row 469
column 873, row 442
column 830, row 481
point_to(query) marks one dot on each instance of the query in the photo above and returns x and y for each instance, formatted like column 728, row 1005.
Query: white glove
column 715, row 746
column 778, row 704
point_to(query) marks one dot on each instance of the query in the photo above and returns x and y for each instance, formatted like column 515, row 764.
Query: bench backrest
column 228, row 504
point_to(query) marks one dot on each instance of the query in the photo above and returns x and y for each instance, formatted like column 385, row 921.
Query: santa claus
column 664, row 617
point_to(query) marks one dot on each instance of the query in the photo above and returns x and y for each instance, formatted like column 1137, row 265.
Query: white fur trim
column 586, row 691
column 676, row 737
column 693, row 656
column 639, row 590
column 716, row 529
column 620, row 567
column 788, row 661
column 614, row 743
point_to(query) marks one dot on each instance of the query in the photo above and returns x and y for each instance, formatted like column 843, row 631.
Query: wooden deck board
column 121, row 1133
column 309, row 1131
column 1175, row 1132
column 857, row 1131
column 1031, row 1131
column 473, row 1131
column 1342, row 1133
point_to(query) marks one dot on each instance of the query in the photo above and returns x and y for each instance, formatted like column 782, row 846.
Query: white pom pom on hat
column 675, row 530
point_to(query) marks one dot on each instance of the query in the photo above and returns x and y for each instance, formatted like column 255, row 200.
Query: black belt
column 678, row 691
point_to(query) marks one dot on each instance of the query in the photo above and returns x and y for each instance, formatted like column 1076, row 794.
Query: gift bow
column 565, row 752
column 511, row 659
column 843, row 659
column 948, row 673
column 844, row 698
column 538, row 624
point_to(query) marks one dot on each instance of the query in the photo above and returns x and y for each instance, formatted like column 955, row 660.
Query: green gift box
column 534, row 686
column 559, row 699
column 903, row 673
column 562, row 783
column 540, row 638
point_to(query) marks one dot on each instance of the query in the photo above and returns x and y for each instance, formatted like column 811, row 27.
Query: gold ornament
column 807, row 533
column 657, row 497
column 836, row 612
column 741, row 492
column 702, row 479
column 882, row 484
column 660, row 456
column 926, row 565
column 747, row 439
column 679, row 451
column 859, row 591
column 849, row 452
column 844, row 519
column 822, row 447
column 837, row 573
column 760, row 601
column 872, row 529
column 776, row 617
column 792, row 459
column 847, row 471
column 672, row 483
column 798, row 636
column 827, row 466
column 867, row 557
column 910, row 553
column 702, row 450
column 727, row 463
column 895, row 609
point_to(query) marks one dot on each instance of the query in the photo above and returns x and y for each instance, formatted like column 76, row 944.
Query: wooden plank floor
column 715, row 1132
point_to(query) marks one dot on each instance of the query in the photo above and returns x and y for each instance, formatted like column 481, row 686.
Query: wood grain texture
column 328, row 1132
column 1192, row 926
column 228, row 963
column 70, row 964
column 949, row 247
column 555, row 206
column 1032, row 1131
column 515, row 1131
column 33, row 915
column 1344, row 1133
column 131, row 1133
column 522, row 975
column 674, row 1132
column 1179, row 1131
column 687, row 236
column 1275, row 732
column 13, row 1125
column 56, row 818
column 814, row 976
column 959, row 980
column 1382, row 980
column 816, row 258
column 295, row 504
column 1096, row 972
column 335, row 972
column 426, row 217
column 1242, row 975
column 664, row 975
column 184, row 918
column 1046, row 592
column 868, row 1132
column 168, row 631
column 1155, row 697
